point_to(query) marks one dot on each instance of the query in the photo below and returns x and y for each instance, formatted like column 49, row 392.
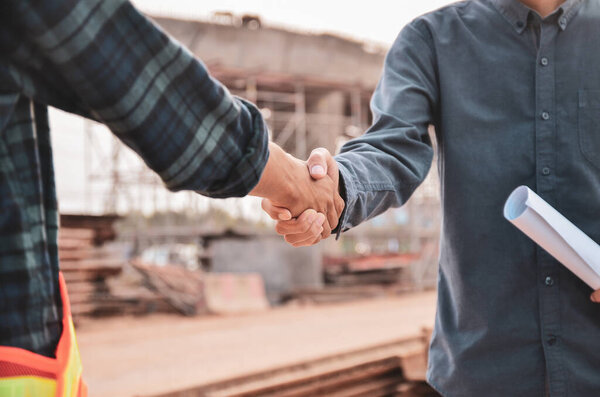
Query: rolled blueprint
column 554, row 233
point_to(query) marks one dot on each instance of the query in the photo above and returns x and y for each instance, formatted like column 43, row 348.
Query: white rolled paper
column 554, row 233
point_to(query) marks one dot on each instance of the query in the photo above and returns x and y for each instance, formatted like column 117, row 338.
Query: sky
column 374, row 21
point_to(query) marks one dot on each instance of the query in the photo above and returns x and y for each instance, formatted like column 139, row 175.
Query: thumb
column 320, row 163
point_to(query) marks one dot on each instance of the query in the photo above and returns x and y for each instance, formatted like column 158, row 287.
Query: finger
column 299, row 225
column 596, row 296
column 326, row 230
column 305, row 238
column 309, row 230
column 319, row 163
column 276, row 213
column 332, row 215
column 308, row 243
column 339, row 204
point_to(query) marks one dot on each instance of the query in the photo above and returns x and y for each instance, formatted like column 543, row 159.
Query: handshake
column 302, row 196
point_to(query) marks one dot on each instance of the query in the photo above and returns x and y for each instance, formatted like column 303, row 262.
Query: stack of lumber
column 380, row 269
column 394, row 369
column 94, row 274
column 102, row 282
column 349, row 278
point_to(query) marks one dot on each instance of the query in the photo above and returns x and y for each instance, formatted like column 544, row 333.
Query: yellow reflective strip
column 73, row 370
column 27, row 386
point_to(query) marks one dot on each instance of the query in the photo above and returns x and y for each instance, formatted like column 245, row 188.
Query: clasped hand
column 306, row 205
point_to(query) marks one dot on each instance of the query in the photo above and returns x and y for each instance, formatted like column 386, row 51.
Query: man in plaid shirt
column 104, row 60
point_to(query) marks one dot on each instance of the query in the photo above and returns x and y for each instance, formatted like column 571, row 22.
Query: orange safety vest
column 26, row 374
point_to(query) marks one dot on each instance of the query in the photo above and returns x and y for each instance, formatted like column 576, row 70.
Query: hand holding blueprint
column 554, row 233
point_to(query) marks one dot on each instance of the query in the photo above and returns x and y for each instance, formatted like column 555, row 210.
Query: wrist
column 273, row 183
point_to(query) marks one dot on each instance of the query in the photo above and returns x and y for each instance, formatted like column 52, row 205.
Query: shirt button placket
column 545, row 130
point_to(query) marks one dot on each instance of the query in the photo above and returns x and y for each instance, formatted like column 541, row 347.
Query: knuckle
column 318, row 154
column 321, row 151
column 280, row 228
column 293, row 195
column 332, row 219
column 340, row 204
column 306, row 227
column 315, row 230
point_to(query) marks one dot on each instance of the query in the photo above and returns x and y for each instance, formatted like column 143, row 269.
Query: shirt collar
column 517, row 13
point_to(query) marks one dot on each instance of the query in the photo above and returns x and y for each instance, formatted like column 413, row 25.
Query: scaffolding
column 301, row 114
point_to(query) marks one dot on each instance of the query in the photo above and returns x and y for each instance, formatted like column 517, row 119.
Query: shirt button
column 546, row 171
column 562, row 22
column 549, row 281
column 545, row 115
column 544, row 61
column 520, row 24
column 551, row 340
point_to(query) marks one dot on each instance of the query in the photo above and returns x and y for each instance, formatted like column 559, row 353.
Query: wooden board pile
column 381, row 269
column 94, row 274
column 393, row 369
column 361, row 277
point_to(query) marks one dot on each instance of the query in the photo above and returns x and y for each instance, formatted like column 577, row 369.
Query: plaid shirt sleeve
column 105, row 60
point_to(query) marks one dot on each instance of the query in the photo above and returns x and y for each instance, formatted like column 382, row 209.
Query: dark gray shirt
column 511, row 106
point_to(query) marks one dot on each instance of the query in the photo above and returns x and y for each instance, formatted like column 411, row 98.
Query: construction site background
column 251, row 315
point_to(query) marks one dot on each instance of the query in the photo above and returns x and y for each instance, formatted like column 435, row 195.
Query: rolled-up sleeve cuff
column 349, row 194
column 246, row 174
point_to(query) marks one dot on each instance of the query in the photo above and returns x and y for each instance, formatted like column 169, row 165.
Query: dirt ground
column 149, row 355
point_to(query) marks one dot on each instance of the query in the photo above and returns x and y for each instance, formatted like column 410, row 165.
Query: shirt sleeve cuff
column 250, row 167
column 348, row 193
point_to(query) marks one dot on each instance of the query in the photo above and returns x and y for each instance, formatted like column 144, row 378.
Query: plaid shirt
column 106, row 61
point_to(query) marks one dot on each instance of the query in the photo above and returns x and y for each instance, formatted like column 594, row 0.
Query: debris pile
column 94, row 273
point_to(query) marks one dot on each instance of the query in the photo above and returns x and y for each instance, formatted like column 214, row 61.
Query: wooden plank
column 78, row 254
column 379, row 387
column 416, row 389
column 76, row 234
column 328, row 382
column 76, row 277
column 66, row 243
column 99, row 267
column 79, row 287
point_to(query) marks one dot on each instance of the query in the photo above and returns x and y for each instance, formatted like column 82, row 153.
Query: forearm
column 107, row 59
column 375, row 180
column 382, row 168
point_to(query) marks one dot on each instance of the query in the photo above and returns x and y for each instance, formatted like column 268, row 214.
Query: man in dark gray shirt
column 514, row 95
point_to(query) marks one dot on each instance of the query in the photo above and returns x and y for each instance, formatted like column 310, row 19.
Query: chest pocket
column 589, row 125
